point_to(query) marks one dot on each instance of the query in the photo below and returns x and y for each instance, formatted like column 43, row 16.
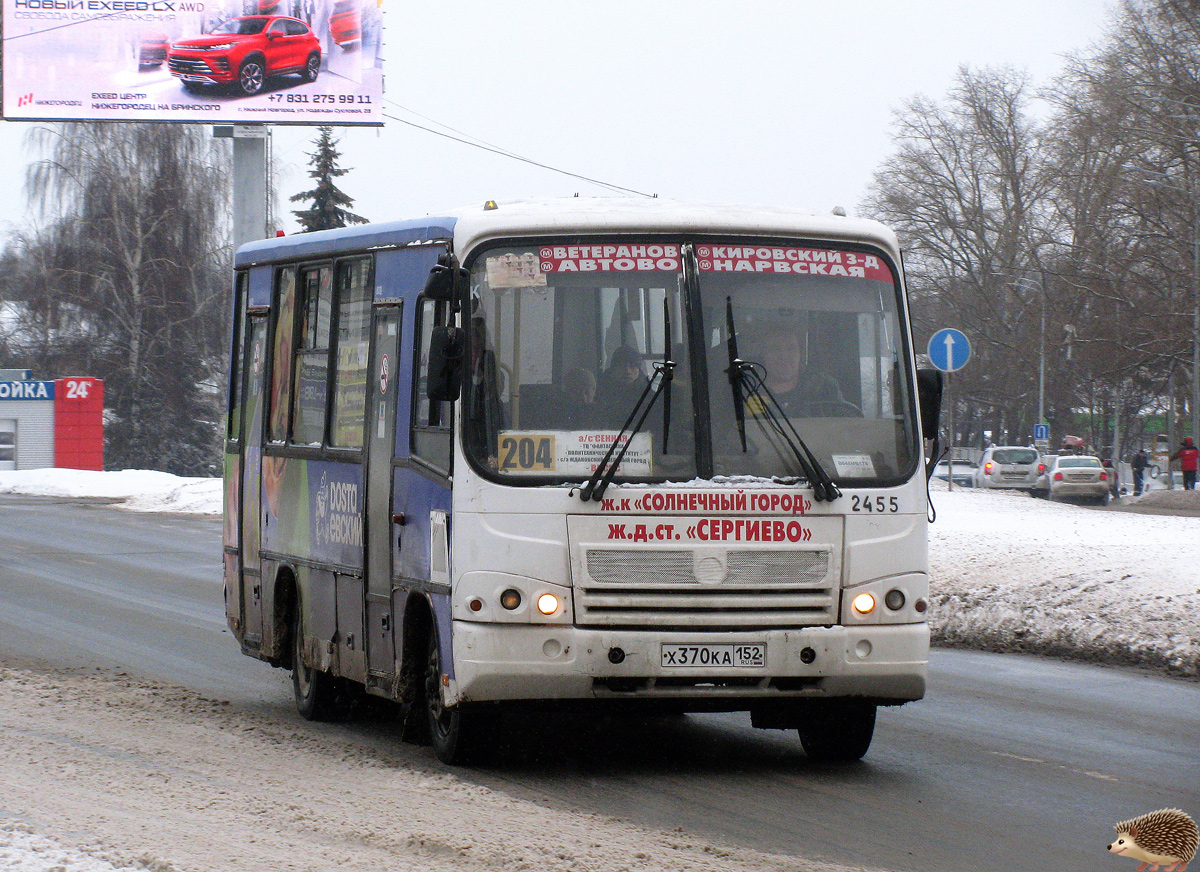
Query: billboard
column 225, row 61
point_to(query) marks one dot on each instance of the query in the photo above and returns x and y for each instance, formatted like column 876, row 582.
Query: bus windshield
column 565, row 339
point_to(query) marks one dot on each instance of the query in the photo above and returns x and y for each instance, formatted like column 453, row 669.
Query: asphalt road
column 1011, row 762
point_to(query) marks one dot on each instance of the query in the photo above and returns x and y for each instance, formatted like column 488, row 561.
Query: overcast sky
column 775, row 103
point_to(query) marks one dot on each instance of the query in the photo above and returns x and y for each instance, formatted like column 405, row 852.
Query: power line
column 451, row 129
column 504, row 153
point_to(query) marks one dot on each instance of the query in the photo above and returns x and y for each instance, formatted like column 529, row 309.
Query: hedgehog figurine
column 1167, row 836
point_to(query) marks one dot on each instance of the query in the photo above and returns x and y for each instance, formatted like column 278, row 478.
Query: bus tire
column 453, row 730
column 838, row 730
column 318, row 695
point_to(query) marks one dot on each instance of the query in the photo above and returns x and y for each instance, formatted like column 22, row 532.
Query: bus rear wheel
column 318, row 695
column 838, row 730
column 454, row 730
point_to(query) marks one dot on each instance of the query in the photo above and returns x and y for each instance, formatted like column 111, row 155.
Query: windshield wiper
column 670, row 366
column 746, row 380
column 600, row 480
column 735, row 372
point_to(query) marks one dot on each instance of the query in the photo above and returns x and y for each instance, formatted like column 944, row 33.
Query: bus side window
column 312, row 356
column 281, row 355
column 237, row 364
column 431, row 420
column 353, row 343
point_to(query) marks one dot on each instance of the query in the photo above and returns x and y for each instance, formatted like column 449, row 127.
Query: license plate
column 739, row 656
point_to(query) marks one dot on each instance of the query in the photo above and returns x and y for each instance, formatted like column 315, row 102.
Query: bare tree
column 1088, row 224
column 133, row 252
column 967, row 192
column 1126, row 161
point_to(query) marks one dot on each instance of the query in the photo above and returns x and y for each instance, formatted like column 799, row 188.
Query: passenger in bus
column 799, row 389
column 580, row 411
column 624, row 382
column 484, row 413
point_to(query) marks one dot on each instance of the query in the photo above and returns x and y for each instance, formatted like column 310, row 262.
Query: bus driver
column 796, row 387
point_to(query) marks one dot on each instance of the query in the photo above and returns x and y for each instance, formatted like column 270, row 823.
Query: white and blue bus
column 626, row 454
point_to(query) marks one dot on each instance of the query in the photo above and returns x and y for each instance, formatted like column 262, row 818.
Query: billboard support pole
column 249, row 184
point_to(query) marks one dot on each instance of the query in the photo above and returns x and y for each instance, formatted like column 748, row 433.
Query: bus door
column 251, row 533
column 381, row 526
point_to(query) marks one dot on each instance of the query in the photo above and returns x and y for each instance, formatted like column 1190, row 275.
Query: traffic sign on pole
column 1041, row 432
column 949, row 349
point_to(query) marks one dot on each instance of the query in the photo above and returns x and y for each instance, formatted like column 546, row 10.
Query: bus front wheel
column 838, row 730
column 318, row 697
column 453, row 729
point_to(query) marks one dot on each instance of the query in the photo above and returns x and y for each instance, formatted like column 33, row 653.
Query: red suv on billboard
column 247, row 51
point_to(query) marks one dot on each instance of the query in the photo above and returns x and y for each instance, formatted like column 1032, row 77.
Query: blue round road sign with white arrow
column 949, row 349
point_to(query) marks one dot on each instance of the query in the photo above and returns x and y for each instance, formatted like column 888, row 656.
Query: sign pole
column 950, row 403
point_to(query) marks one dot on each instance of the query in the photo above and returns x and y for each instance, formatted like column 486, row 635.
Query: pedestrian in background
column 1139, row 464
column 1188, row 456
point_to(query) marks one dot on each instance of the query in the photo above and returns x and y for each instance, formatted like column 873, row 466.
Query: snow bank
column 135, row 489
column 22, row 850
column 1014, row 574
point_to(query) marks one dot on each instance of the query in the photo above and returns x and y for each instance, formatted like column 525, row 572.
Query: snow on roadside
column 136, row 489
column 22, row 850
column 1014, row 574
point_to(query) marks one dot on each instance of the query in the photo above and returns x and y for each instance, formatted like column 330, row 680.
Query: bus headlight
column 864, row 603
column 507, row 598
column 894, row 599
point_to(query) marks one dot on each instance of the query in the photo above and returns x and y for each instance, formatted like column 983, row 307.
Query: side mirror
column 929, row 398
column 444, row 381
column 445, row 279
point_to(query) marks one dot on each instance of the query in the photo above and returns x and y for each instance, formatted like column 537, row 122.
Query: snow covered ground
column 1008, row 573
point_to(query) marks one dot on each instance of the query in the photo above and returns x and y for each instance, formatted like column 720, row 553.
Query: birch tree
column 133, row 251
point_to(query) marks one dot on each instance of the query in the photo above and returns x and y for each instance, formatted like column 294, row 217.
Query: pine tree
column 328, row 201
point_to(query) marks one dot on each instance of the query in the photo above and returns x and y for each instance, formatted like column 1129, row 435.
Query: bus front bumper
column 506, row 662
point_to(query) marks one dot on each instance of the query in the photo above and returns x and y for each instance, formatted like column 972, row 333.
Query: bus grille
column 760, row 589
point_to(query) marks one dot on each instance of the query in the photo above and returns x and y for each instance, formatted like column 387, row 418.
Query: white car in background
column 1078, row 477
column 1007, row 466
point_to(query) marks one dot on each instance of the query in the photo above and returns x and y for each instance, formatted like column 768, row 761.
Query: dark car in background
column 245, row 52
